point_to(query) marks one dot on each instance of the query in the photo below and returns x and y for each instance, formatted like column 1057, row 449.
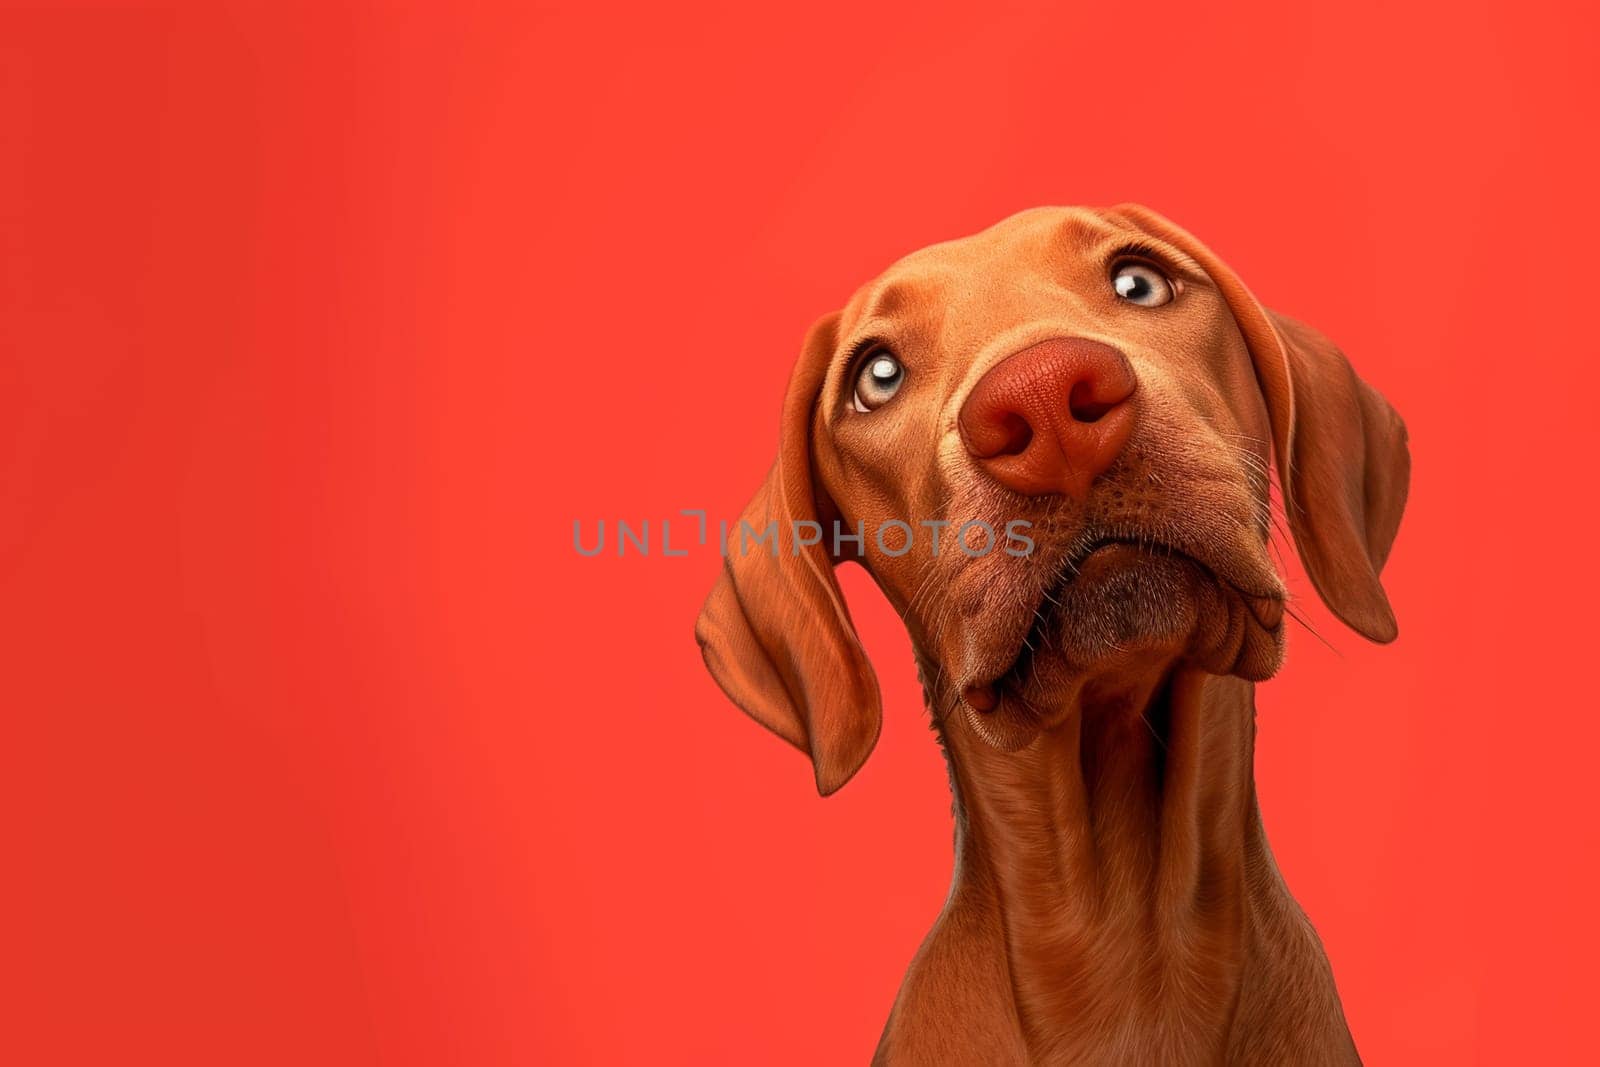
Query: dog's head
column 1052, row 439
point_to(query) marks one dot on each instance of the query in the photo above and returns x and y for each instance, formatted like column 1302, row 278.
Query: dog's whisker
column 1297, row 617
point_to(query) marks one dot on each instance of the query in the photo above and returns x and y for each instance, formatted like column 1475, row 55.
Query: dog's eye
column 1142, row 284
column 878, row 380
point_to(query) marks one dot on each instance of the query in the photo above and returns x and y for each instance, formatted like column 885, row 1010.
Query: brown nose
column 1051, row 417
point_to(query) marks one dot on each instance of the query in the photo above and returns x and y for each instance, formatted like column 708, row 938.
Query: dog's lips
column 1266, row 609
column 984, row 694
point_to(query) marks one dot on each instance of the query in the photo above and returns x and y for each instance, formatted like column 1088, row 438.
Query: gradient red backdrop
column 319, row 326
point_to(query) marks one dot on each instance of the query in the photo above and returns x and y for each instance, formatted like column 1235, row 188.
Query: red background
column 319, row 327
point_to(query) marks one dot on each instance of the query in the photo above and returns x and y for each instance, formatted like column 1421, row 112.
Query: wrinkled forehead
column 995, row 267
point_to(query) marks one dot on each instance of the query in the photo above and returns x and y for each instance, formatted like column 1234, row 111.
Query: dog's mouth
column 1105, row 554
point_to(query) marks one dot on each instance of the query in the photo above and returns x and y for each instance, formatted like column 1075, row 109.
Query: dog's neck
column 1123, row 857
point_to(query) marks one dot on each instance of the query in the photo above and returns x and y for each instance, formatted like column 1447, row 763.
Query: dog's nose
column 1051, row 417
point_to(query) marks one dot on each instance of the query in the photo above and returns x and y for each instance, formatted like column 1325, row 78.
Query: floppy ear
column 775, row 632
column 1341, row 449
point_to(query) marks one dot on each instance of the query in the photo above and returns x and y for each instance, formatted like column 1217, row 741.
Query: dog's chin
column 1127, row 613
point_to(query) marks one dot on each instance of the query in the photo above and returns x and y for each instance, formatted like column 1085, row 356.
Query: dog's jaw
column 1123, row 610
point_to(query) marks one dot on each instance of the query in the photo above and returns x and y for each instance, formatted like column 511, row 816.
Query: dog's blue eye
column 879, row 379
column 1142, row 284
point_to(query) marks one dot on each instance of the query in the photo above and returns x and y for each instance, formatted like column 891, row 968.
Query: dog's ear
column 1351, row 470
column 1342, row 458
column 775, row 632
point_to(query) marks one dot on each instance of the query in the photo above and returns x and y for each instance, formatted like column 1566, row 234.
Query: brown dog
column 1101, row 378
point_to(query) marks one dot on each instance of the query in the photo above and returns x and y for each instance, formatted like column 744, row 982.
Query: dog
column 1103, row 385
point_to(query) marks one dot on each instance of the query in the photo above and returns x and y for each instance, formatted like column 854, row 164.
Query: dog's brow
column 1171, row 254
column 888, row 300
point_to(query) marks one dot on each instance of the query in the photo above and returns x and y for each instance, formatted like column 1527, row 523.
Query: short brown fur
column 1114, row 898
